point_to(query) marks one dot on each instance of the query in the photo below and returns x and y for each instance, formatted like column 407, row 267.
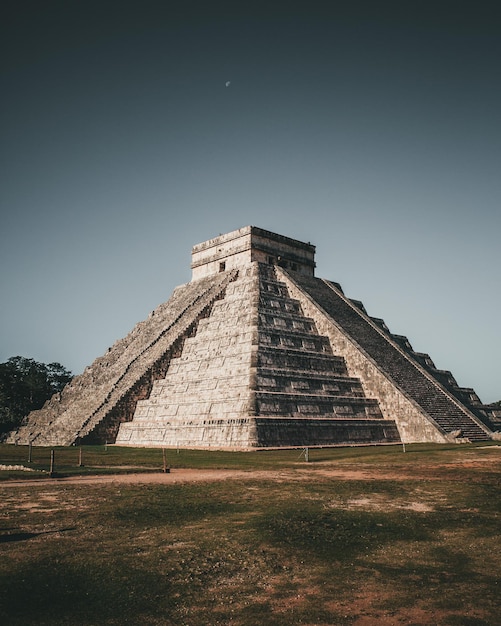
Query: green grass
column 418, row 546
column 113, row 459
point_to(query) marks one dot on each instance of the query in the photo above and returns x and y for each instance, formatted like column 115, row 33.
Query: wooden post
column 166, row 469
column 306, row 454
column 29, row 452
column 51, row 470
column 80, row 457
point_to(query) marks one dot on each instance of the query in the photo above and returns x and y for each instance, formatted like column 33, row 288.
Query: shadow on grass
column 14, row 537
column 464, row 620
column 177, row 505
column 451, row 583
column 341, row 535
column 446, row 575
column 45, row 593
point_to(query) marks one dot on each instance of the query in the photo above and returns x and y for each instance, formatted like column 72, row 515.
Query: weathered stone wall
column 414, row 381
column 257, row 373
column 413, row 425
column 125, row 371
column 323, row 432
column 298, row 374
column 240, row 247
column 205, row 397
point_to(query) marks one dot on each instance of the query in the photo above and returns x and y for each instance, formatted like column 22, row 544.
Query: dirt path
column 205, row 475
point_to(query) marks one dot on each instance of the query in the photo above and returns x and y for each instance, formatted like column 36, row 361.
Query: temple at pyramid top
column 249, row 244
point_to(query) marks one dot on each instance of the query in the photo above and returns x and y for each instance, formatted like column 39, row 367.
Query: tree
column 25, row 385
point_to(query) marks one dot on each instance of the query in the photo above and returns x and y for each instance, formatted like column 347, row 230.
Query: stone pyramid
column 256, row 352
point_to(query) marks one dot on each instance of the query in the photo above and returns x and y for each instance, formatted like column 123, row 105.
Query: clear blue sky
column 371, row 129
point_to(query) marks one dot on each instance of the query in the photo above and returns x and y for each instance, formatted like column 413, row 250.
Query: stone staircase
column 302, row 388
column 92, row 406
column 395, row 359
column 297, row 373
column 466, row 396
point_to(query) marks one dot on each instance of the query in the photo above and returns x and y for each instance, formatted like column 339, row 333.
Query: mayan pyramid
column 257, row 352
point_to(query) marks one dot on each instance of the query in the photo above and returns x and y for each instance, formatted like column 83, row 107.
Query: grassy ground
column 115, row 459
column 414, row 540
column 106, row 459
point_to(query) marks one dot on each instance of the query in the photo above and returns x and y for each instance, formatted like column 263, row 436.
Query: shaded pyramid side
column 488, row 415
column 421, row 405
column 257, row 374
column 91, row 407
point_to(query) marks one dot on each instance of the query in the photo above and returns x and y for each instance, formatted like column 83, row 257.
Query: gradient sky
column 371, row 129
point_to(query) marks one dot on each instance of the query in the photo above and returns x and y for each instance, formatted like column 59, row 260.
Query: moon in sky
column 228, row 83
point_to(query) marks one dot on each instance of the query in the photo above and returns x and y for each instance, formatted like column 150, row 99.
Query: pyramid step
column 399, row 366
